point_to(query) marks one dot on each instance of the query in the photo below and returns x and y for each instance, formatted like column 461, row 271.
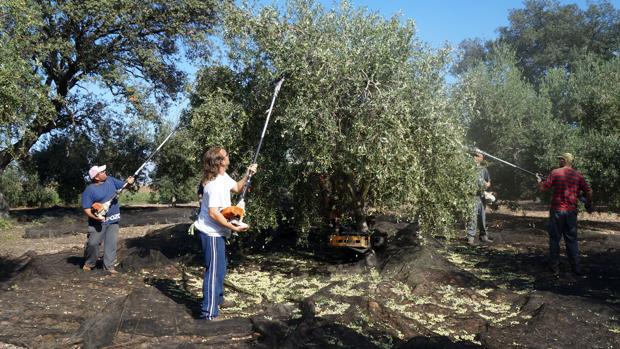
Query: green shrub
column 21, row 188
column 138, row 198
column 5, row 223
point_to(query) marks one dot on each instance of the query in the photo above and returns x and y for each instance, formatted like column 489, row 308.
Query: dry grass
column 13, row 243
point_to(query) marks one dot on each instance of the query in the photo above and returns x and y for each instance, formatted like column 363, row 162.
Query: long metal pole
column 119, row 191
column 503, row 161
column 262, row 137
column 155, row 152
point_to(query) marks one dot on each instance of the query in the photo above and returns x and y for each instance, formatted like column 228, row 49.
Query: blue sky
column 440, row 21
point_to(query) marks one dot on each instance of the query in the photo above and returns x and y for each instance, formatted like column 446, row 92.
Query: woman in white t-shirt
column 214, row 228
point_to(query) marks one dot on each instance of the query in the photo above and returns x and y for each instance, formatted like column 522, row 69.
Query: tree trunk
column 4, row 207
column 330, row 216
column 359, row 196
column 359, row 217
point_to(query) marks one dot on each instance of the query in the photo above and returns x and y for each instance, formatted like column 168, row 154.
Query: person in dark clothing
column 567, row 184
column 478, row 221
column 102, row 227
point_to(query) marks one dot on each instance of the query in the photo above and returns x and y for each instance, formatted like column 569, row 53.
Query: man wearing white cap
column 103, row 226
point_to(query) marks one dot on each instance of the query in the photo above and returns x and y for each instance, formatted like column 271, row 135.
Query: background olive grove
column 365, row 122
column 545, row 86
column 78, row 74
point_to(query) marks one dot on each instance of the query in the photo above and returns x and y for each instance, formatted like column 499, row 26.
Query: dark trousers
column 96, row 233
column 478, row 220
column 214, row 252
column 563, row 224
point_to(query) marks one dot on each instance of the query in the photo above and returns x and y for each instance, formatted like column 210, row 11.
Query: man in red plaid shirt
column 567, row 185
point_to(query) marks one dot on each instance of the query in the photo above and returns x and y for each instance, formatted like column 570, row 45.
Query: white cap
column 94, row 170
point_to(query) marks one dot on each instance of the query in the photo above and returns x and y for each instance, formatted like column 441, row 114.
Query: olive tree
column 546, row 34
column 587, row 99
column 129, row 47
column 62, row 62
column 122, row 146
column 587, row 96
column 363, row 122
column 177, row 171
column 508, row 118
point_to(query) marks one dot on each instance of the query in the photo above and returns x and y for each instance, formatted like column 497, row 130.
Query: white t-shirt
column 216, row 194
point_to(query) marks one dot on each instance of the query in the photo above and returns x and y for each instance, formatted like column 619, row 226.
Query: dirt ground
column 420, row 292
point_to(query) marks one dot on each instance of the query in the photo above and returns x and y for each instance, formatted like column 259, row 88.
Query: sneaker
column 471, row 241
column 485, row 238
column 205, row 318
column 112, row 271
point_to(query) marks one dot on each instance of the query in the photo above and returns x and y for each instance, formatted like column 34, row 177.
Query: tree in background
column 54, row 52
column 23, row 188
column 600, row 160
column 588, row 95
column 549, row 35
column 178, row 170
column 588, row 99
column 546, row 35
column 507, row 118
column 470, row 52
column 66, row 157
column 119, row 44
column 362, row 123
column 557, row 93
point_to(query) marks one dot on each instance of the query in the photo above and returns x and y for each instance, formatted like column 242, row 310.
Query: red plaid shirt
column 566, row 183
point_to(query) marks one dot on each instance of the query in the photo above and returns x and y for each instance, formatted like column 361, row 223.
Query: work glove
column 538, row 178
column 589, row 206
column 252, row 169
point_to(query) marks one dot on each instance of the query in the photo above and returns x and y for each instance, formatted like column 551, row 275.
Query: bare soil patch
column 425, row 292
